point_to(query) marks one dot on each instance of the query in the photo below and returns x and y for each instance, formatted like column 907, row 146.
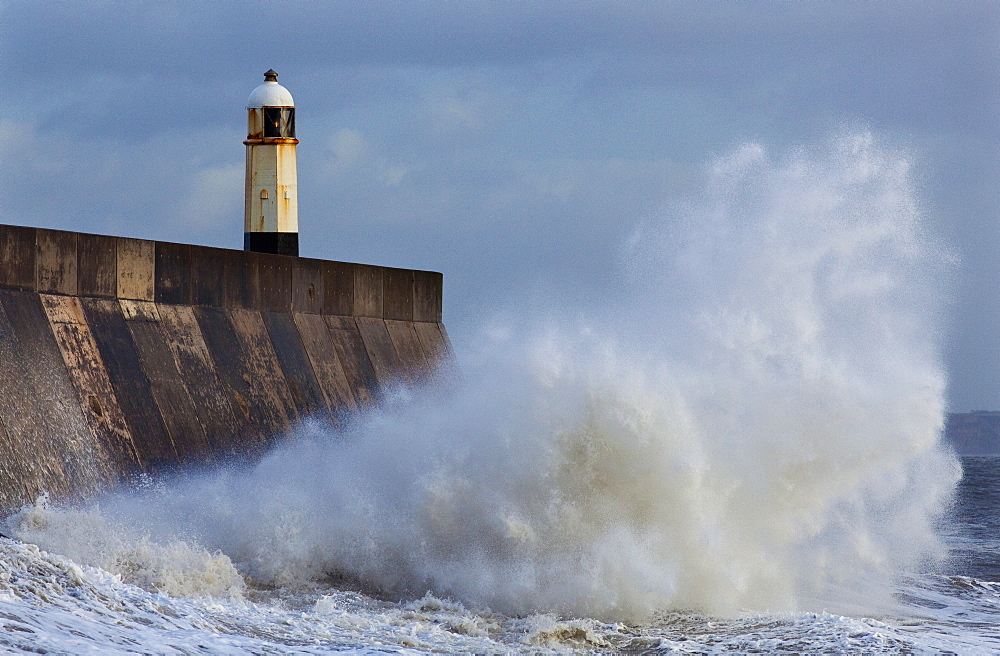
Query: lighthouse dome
column 270, row 94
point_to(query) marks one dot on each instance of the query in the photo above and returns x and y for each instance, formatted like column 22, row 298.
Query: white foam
column 175, row 567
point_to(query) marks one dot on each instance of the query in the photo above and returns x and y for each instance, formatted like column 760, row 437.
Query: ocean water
column 171, row 599
column 738, row 450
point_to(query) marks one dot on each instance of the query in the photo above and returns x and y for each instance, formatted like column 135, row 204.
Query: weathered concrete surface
column 121, row 357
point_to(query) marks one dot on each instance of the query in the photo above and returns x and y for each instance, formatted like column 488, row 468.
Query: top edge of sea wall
column 80, row 264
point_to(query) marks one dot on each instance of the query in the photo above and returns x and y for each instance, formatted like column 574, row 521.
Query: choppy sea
column 51, row 604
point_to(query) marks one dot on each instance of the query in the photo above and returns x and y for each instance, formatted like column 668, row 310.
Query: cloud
column 348, row 149
column 507, row 144
column 214, row 198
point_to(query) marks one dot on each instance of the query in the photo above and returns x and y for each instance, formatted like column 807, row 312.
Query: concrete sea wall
column 120, row 357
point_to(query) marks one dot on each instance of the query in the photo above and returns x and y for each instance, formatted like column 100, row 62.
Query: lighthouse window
column 263, row 194
column 272, row 122
column 279, row 122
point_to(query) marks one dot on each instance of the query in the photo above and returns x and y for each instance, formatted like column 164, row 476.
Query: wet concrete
column 121, row 357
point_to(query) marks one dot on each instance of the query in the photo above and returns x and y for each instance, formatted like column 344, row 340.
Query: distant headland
column 974, row 433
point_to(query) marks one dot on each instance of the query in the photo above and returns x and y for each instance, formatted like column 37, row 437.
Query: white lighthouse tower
column 271, row 212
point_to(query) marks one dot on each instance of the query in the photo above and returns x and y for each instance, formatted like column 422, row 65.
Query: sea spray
column 752, row 422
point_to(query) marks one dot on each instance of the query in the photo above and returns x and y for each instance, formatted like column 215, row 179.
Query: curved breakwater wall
column 122, row 356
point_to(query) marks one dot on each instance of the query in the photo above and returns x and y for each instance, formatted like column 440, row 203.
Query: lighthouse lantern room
column 271, row 211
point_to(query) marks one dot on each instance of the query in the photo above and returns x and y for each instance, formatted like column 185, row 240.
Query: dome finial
column 270, row 76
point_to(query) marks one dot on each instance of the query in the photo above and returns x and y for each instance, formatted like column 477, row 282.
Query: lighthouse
column 271, row 211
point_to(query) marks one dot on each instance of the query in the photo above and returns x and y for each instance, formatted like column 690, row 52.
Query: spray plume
column 752, row 423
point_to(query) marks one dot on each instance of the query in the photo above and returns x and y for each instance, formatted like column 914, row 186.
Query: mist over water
column 752, row 423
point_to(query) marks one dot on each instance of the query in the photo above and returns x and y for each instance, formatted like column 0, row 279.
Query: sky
column 510, row 145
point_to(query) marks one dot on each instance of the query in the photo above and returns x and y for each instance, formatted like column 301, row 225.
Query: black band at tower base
column 280, row 243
